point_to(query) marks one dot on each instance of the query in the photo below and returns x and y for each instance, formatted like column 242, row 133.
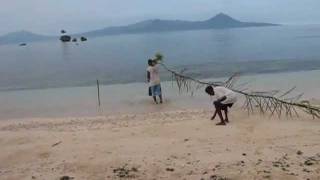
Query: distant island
column 22, row 37
column 220, row 21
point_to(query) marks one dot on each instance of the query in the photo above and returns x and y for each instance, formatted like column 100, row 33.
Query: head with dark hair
column 150, row 62
column 209, row 90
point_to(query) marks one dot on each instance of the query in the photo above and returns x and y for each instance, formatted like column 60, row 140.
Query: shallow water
column 132, row 98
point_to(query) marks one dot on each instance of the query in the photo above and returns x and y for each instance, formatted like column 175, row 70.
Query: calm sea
column 122, row 59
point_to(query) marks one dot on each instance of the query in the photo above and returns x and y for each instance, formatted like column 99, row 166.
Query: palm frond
column 271, row 102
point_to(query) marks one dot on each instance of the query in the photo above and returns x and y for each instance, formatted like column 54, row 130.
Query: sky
column 50, row 16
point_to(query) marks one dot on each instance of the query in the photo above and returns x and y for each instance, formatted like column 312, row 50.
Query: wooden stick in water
column 98, row 87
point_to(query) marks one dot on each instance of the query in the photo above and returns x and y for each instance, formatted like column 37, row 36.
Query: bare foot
column 221, row 124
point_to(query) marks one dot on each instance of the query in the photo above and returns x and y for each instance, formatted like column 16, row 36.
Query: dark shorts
column 156, row 90
column 218, row 104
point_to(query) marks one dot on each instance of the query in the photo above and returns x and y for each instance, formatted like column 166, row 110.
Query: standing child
column 153, row 79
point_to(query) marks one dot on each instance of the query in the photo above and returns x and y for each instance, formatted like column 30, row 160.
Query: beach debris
column 282, row 163
column 66, row 178
column 267, row 177
column 239, row 163
column 306, row 170
column 244, row 154
column 56, row 144
column 284, row 169
column 217, row 177
column 190, row 172
column 259, row 161
column 185, row 140
column 293, row 174
column 308, row 162
column 267, row 172
column 134, row 169
column 275, row 164
column 312, row 160
column 174, row 157
column 125, row 172
column 170, row 169
column 299, row 152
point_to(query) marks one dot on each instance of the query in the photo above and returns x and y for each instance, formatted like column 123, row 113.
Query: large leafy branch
column 271, row 102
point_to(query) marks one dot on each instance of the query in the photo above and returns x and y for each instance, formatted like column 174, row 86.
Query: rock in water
column 74, row 40
column 65, row 38
column 83, row 39
column 23, row 44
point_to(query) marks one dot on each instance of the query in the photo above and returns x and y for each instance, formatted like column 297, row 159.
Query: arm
column 148, row 76
column 214, row 115
column 221, row 99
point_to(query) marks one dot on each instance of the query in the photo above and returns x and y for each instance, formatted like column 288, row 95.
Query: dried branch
column 264, row 102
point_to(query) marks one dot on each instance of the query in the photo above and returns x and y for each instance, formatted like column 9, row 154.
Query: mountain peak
column 222, row 17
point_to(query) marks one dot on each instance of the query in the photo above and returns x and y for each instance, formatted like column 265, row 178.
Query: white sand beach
column 165, row 145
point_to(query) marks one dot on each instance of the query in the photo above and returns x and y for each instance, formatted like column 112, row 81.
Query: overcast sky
column 49, row 16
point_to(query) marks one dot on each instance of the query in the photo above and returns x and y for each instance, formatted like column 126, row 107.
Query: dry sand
column 165, row 145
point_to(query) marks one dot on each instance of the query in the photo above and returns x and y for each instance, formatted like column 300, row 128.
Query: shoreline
column 133, row 98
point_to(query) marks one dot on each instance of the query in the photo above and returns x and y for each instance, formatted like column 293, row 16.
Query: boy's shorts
column 156, row 90
column 222, row 106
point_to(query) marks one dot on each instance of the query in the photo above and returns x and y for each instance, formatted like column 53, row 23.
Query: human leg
column 218, row 107
column 226, row 115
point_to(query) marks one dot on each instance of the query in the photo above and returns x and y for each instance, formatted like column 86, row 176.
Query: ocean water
column 122, row 59
column 54, row 79
column 133, row 98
